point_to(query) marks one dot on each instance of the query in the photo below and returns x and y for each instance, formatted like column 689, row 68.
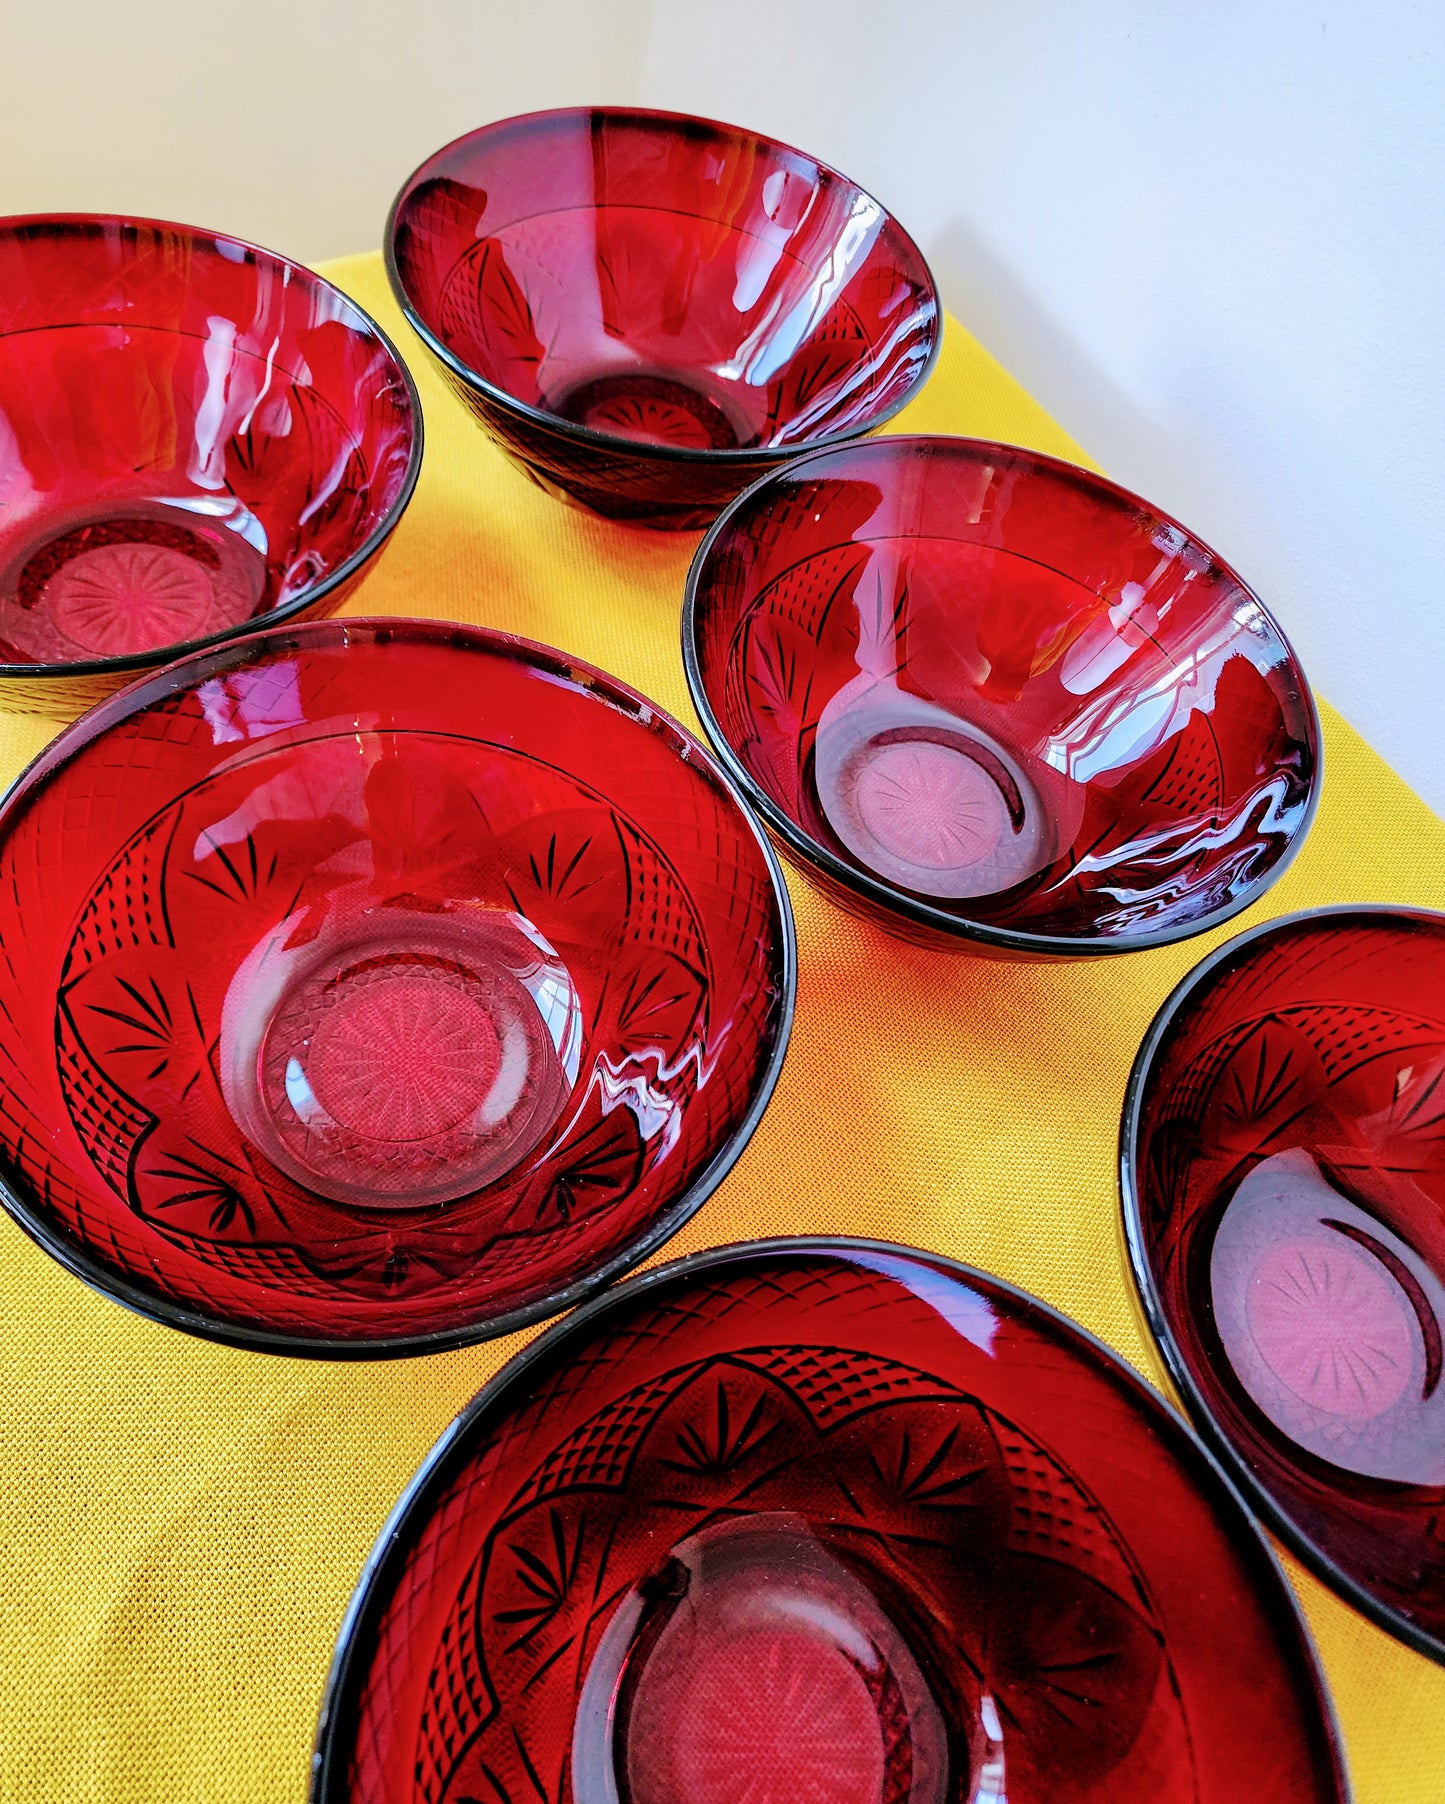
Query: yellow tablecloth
column 181, row 1525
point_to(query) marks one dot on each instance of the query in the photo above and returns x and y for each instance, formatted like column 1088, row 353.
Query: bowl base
column 134, row 578
column 926, row 800
column 652, row 406
column 402, row 1059
column 754, row 1664
column 1331, row 1323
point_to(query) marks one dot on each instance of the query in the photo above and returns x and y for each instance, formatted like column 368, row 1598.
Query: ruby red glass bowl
column 988, row 697
column 822, row 1522
column 646, row 311
column 196, row 437
column 1284, row 1195
column 375, row 986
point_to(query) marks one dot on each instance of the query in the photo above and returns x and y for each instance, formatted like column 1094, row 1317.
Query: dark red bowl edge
column 882, row 895
column 743, row 457
column 1148, row 1306
column 139, row 662
column 331, row 1748
column 101, row 1279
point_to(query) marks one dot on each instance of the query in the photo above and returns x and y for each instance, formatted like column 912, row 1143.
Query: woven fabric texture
column 182, row 1524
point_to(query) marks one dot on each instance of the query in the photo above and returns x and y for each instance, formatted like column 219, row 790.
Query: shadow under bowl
column 1283, row 1173
column 198, row 438
column 646, row 311
column 372, row 987
column 822, row 1520
column 989, row 699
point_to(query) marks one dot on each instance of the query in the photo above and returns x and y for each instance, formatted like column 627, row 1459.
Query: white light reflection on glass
column 252, row 703
column 774, row 340
column 1118, row 729
column 208, row 457
column 963, row 1308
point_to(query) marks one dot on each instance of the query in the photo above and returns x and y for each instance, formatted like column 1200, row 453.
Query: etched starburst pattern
column 117, row 600
column 404, row 1059
column 777, row 1719
column 659, row 422
column 1333, row 1326
column 931, row 806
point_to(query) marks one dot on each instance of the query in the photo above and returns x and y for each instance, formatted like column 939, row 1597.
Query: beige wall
column 290, row 122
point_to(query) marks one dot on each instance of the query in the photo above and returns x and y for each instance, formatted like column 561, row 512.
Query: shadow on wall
column 1133, row 446
column 1002, row 313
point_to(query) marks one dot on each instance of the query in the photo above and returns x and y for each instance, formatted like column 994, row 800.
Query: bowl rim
column 371, row 1594
column 914, row 909
column 741, row 456
column 1149, row 1306
column 132, row 662
column 608, row 691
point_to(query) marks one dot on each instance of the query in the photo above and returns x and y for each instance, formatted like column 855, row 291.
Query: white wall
column 1211, row 239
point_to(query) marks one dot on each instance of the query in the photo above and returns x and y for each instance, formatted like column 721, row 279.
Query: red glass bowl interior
column 194, row 435
column 373, row 985
column 663, row 281
column 822, row 1523
column 1285, row 1193
column 994, row 695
